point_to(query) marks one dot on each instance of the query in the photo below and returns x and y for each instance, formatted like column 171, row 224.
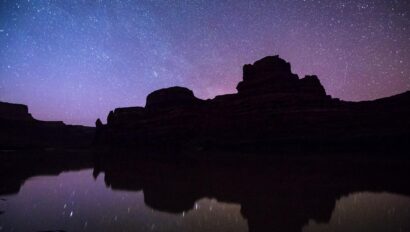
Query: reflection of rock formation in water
column 18, row 129
column 273, row 108
column 276, row 196
column 367, row 211
column 17, row 167
column 280, row 194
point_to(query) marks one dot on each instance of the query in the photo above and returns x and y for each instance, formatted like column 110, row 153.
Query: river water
column 151, row 197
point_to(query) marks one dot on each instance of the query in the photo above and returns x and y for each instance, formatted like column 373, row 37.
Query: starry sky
column 76, row 60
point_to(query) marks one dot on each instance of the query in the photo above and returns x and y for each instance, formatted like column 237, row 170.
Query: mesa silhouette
column 274, row 109
column 19, row 130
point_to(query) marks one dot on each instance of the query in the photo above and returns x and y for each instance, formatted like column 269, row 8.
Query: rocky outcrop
column 273, row 108
column 14, row 112
column 270, row 74
column 19, row 130
column 169, row 98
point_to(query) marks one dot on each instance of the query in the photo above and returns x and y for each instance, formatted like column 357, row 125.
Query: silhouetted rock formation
column 14, row 111
column 273, row 75
column 273, row 109
column 18, row 129
column 174, row 97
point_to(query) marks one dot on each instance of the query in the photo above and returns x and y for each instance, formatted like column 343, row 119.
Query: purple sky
column 76, row 60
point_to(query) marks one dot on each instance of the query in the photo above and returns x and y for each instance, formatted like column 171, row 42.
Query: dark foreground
column 46, row 191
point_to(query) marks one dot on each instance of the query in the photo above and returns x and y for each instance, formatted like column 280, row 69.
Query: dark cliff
column 273, row 109
column 19, row 130
column 14, row 112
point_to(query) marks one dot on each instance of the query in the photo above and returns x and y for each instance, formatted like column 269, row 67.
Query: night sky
column 76, row 60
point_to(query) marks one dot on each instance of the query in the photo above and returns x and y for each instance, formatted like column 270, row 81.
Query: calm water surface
column 75, row 201
column 79, row 201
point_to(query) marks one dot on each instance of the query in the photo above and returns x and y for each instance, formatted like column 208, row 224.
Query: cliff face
column 273, row 75
column 273, row 108
column 174, row 97
column 14, row 112
column 19, row 130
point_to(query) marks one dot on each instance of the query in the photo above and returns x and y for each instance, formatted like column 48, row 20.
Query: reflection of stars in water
column 84, row 203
